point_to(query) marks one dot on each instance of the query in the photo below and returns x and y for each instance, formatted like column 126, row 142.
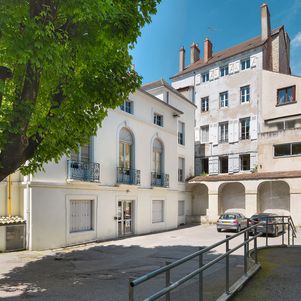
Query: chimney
column 207, row 50
column 194, row 53
column 265, row 22
column 182, row 59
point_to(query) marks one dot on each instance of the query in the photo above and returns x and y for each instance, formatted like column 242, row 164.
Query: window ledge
column 286, row 156
column 287, row 103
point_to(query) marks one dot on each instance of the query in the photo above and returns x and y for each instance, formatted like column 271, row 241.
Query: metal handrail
column 202, row 267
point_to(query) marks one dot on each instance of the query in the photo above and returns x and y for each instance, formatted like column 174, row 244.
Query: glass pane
column 281, row 96
column 290, row 94
column 282, row 150
column 121, row 152
column 127, row 162
column 296, row 148
column 85, row 153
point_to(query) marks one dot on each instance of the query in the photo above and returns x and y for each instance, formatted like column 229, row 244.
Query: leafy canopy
column 63, row 64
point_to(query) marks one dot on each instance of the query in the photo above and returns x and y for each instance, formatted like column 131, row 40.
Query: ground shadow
column 101, row 273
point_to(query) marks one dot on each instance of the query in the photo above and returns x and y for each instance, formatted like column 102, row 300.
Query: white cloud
column 296, row 41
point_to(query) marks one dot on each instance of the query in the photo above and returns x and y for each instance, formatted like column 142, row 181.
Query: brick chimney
column 194, row 53
column 207, row 50
column 182, row 59
column 265, row 22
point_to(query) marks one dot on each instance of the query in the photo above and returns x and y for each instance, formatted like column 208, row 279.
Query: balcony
column 83, row 171
column 128, row 176
column 160, row 179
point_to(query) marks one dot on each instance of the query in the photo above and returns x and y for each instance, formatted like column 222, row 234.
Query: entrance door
column 125, row 218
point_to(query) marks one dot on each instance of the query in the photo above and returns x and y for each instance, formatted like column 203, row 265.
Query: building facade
column 247, row 124
column 130, row 178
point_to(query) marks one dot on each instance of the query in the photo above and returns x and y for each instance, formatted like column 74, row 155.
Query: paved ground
column 278, row 280
column 100, row 271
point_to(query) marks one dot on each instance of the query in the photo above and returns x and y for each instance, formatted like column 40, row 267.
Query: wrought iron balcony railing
column 128, row 176
column 83, row 171
column 160, row 179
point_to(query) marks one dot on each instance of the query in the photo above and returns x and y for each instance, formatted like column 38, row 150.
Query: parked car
column 274, row 226
column 232, row 221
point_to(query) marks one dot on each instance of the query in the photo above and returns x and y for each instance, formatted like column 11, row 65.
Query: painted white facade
column 48, row 195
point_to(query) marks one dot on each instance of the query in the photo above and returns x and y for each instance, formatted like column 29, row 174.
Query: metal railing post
column 266, row 232
column 255, row 245
column 167, row 281
column 227, row 268
column 283, row 228
column 288, row 232
column 245, row 254
column 131, row 290
column 201, row 276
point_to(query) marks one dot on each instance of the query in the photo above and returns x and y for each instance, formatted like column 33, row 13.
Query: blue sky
column 226, row 23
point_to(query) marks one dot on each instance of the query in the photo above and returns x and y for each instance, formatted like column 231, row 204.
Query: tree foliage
column 63, row 64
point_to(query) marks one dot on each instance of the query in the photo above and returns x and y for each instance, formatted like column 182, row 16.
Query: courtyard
column 101, row 271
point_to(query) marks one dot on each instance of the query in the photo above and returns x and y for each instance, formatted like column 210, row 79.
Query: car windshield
column 228, row 216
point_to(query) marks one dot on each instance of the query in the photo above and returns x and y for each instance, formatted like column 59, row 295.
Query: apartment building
column 130, row 178
column 236, row 92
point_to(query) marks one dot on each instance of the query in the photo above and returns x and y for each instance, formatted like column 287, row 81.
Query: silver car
column 232, row 221
column 270, row 223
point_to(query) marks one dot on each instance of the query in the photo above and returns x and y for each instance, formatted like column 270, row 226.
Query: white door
column 181, row 213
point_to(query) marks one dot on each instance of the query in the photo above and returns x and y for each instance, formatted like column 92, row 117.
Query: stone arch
column 274, row 197
column 199, row 200
column 231, row 197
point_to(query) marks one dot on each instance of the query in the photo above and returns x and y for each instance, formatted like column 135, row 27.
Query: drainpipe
column 9, row 197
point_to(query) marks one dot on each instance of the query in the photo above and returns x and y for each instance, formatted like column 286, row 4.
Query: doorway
column 125, row 218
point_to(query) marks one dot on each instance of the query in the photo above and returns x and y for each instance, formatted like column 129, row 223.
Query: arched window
column 126, row 143
column 158, row 156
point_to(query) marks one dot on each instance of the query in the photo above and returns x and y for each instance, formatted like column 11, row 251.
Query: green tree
column 63, row 63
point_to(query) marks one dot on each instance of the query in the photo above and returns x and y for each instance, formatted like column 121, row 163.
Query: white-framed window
column 245, row 128
column 81, row 215
column 205, row 134
column 245, row 162
column 223, row 99
column 157, row 211
column 245, row 94
column 181, row 133
column 181, row 208
column 245, row 64
column 205, row 77
column 181, row 169
column 223, row 132
column 128, row 106
column 158, row 119
column 205, row 104
column 224, row 70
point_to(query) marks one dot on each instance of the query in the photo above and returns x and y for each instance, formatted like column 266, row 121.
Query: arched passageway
column 231, row 197
column 274, row 197
column 199, row 200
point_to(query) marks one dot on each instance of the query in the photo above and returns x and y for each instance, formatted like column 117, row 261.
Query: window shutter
column 211, row 74
column 211, row 130
column 216, row 73
column 236, row 66
column 213, row 165
column 230, row 132
column 157, row 211
column 198, row 79
column 253, row 161
column 235, row 130
column 197, row 134
column 253, row 61
column 236, row 163
column 253, row 128
column 230, row 164
column 215, row 134
column 231, row 68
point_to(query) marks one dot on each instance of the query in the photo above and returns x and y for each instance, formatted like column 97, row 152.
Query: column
column 251, row 203
column 212, row 211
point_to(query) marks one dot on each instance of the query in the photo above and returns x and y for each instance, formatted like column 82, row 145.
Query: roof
column 248, row 176
column 163, row 83
column 226, row 53
column 10, row 220
column 159, row 100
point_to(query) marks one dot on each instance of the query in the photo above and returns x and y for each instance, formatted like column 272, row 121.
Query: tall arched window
column 158, row 152
column 126, row 144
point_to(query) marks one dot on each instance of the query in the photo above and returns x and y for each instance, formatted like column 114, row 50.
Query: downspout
column 9, row 196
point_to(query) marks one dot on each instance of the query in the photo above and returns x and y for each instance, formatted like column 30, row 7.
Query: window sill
column 286, row 156
column 244, row 102
column 285, row 104
column 202, row 112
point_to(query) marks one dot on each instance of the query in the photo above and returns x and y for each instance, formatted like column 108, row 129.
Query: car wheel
column 238, row 229
column 219, row 230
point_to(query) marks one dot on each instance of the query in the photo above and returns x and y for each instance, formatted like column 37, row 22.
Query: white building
column 129, row 180
column 241, row 95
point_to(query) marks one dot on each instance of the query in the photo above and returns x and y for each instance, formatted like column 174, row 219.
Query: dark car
column 270, row 223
